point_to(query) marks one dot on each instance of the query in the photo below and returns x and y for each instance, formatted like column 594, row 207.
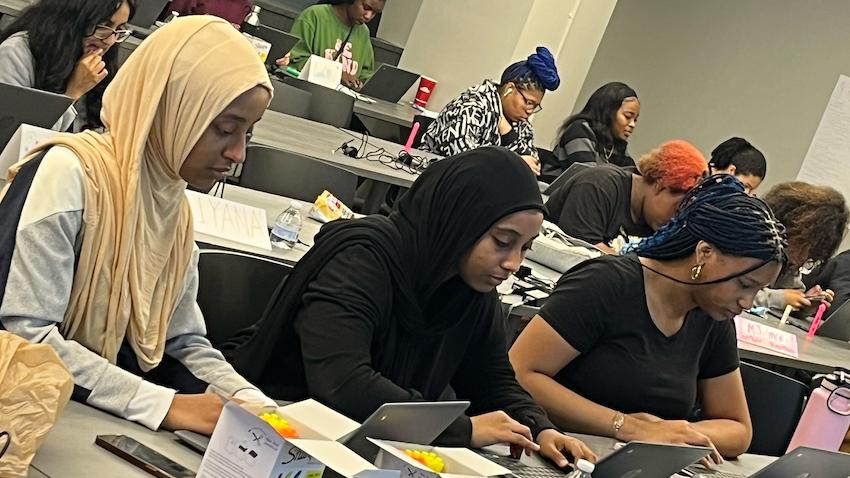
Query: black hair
column 748, row 160
column 56, row 30
column 719, row 212
column 599, row 112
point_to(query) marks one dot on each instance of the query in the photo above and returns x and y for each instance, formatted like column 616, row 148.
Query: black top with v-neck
column 626, row 362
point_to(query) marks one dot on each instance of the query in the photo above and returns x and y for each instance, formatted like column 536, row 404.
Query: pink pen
column 413, row 132
column 816, row 321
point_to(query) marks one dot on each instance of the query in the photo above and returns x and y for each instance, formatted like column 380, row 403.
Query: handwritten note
column 828, row 160
column 766, row 337
column 229, row 220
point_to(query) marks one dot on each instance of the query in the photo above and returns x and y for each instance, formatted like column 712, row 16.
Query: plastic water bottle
column 826, row 418
column 287, row 226
column 251, row 23
column 583, row 469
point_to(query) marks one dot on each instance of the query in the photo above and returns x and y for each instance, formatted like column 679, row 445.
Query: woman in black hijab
column 403, row 308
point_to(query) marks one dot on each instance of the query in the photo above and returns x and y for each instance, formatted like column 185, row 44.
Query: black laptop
column 20, row 105
column 281, row 42
column 389, row 83
column 837, row 326
column 147, row 11
column 802, row 462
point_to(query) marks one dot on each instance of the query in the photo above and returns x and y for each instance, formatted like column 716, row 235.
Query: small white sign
column 26, row 138
column 322, row 71
column 229, row 220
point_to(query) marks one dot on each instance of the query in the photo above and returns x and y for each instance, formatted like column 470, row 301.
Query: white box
column 245, row 446
column 460, row 462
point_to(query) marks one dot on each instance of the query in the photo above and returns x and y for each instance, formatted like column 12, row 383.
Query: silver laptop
column 566, row 175
column 147, row 11
column 633, row 460
column 20, row 105
column 389, row 83
column 802, row 462
column 415, row 422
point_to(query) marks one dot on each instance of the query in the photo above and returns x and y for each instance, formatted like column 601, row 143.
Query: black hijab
column 447, row 210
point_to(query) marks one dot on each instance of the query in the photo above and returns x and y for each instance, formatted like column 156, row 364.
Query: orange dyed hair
column 676, row 165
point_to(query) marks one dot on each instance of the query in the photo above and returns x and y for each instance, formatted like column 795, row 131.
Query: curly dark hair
column 815, row 217
column 56, row 29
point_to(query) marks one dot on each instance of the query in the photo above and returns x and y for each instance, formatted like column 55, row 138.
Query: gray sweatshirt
column 17, row 67
column 48, row 241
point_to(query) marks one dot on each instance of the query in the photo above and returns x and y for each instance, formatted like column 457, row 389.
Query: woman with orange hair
column 601, row 203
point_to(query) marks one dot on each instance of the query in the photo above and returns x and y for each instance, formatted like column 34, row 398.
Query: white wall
column 397, row 20
column 708, row 70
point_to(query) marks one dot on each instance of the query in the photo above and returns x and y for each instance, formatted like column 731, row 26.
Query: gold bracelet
column 617, row 423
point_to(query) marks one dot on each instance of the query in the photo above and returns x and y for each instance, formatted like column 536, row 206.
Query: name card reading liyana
column 229, row 220
column 766, row 337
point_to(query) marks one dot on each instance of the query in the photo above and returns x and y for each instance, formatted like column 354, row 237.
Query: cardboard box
column 244, row 446
column 460, row 462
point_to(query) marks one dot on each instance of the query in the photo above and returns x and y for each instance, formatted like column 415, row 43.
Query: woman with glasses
column 600, row 132
column 626, row 345
column 496, row 114
column 816, row 220
column 65, row 47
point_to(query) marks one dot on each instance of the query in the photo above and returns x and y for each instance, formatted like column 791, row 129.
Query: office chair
column 326, row 105
column 775, row 403
column 293, row 175
column 290, row 100
column 234, row 289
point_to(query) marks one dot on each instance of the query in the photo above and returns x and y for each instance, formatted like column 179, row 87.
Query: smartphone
column 143, row 457
column 816, row 299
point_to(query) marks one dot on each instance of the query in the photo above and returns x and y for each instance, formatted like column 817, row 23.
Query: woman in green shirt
column 336, row 29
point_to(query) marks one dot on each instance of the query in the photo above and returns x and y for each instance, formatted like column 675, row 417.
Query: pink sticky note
column 766, row 337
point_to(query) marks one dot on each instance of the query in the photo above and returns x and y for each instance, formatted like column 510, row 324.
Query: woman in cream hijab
column 97, row 256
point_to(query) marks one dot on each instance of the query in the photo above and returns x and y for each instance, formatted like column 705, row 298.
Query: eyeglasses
column 809, row 266
column 530, row 105
column 103, row 32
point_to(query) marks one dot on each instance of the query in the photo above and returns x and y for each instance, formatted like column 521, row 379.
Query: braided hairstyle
column 719, row 212
column 746, row 158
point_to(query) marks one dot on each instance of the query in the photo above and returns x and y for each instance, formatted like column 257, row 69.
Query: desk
column 819, row 354
column 273, row 205
column 70, row 452
column 385, row 120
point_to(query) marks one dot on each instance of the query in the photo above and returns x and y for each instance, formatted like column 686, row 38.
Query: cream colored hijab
column 138, row 239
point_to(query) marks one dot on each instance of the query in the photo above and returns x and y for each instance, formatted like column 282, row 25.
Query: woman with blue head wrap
column 496, row 114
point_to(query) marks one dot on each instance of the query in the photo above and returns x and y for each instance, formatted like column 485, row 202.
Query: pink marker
column 816, row 321
column 413, row 132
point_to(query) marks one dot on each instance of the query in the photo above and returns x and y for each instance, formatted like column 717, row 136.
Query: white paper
column 26, row 138
column 828, row 160
column 229, row 220
column 322, row 71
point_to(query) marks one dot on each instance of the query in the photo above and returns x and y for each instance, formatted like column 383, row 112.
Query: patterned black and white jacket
column 472, row 120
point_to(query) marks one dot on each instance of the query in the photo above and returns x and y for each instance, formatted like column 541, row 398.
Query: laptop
column 837, row 326
column 389, row 83
column 281, row 42
column 633, row 460
column 21, row 105
column 802, row 462
column 566, row 175
column 415, row 422
column 147, row 11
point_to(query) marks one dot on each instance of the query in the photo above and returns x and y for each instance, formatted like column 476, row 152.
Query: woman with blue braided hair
column 626, row 345
column 496, row 114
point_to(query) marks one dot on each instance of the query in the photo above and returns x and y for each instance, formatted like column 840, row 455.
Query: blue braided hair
column 538, row 71
column 719, row 212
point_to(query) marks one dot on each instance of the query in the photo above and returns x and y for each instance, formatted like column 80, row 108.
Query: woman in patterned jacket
column 496, row 114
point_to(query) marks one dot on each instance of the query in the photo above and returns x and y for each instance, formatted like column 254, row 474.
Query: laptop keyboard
column 699, row 472
column 522, row 470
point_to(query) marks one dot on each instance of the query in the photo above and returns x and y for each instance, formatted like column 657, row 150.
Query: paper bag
column 34, row 388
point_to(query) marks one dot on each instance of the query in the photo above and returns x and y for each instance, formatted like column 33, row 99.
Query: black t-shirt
column 595, row 204
column 626, row 363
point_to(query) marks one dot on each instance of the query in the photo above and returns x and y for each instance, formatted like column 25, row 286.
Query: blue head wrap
column 538, row 68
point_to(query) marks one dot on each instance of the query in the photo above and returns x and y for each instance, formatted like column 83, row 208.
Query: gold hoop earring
column 696, row 270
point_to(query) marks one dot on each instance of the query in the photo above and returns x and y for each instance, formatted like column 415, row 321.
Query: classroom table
column 818, row 354
column 322, row 142
column 70, row 452
column 400, row 114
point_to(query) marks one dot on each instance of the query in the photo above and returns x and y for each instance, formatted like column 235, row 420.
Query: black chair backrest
column 296, row 176
column 326, row 105
column 234, row 289
column 290, row 100
column 776, row 403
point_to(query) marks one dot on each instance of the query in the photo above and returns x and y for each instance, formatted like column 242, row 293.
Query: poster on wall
column 828, row 160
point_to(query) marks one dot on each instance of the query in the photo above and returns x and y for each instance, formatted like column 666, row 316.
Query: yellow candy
column 427, row 458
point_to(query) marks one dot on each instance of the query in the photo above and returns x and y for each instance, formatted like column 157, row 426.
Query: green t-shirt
column 322, row 33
